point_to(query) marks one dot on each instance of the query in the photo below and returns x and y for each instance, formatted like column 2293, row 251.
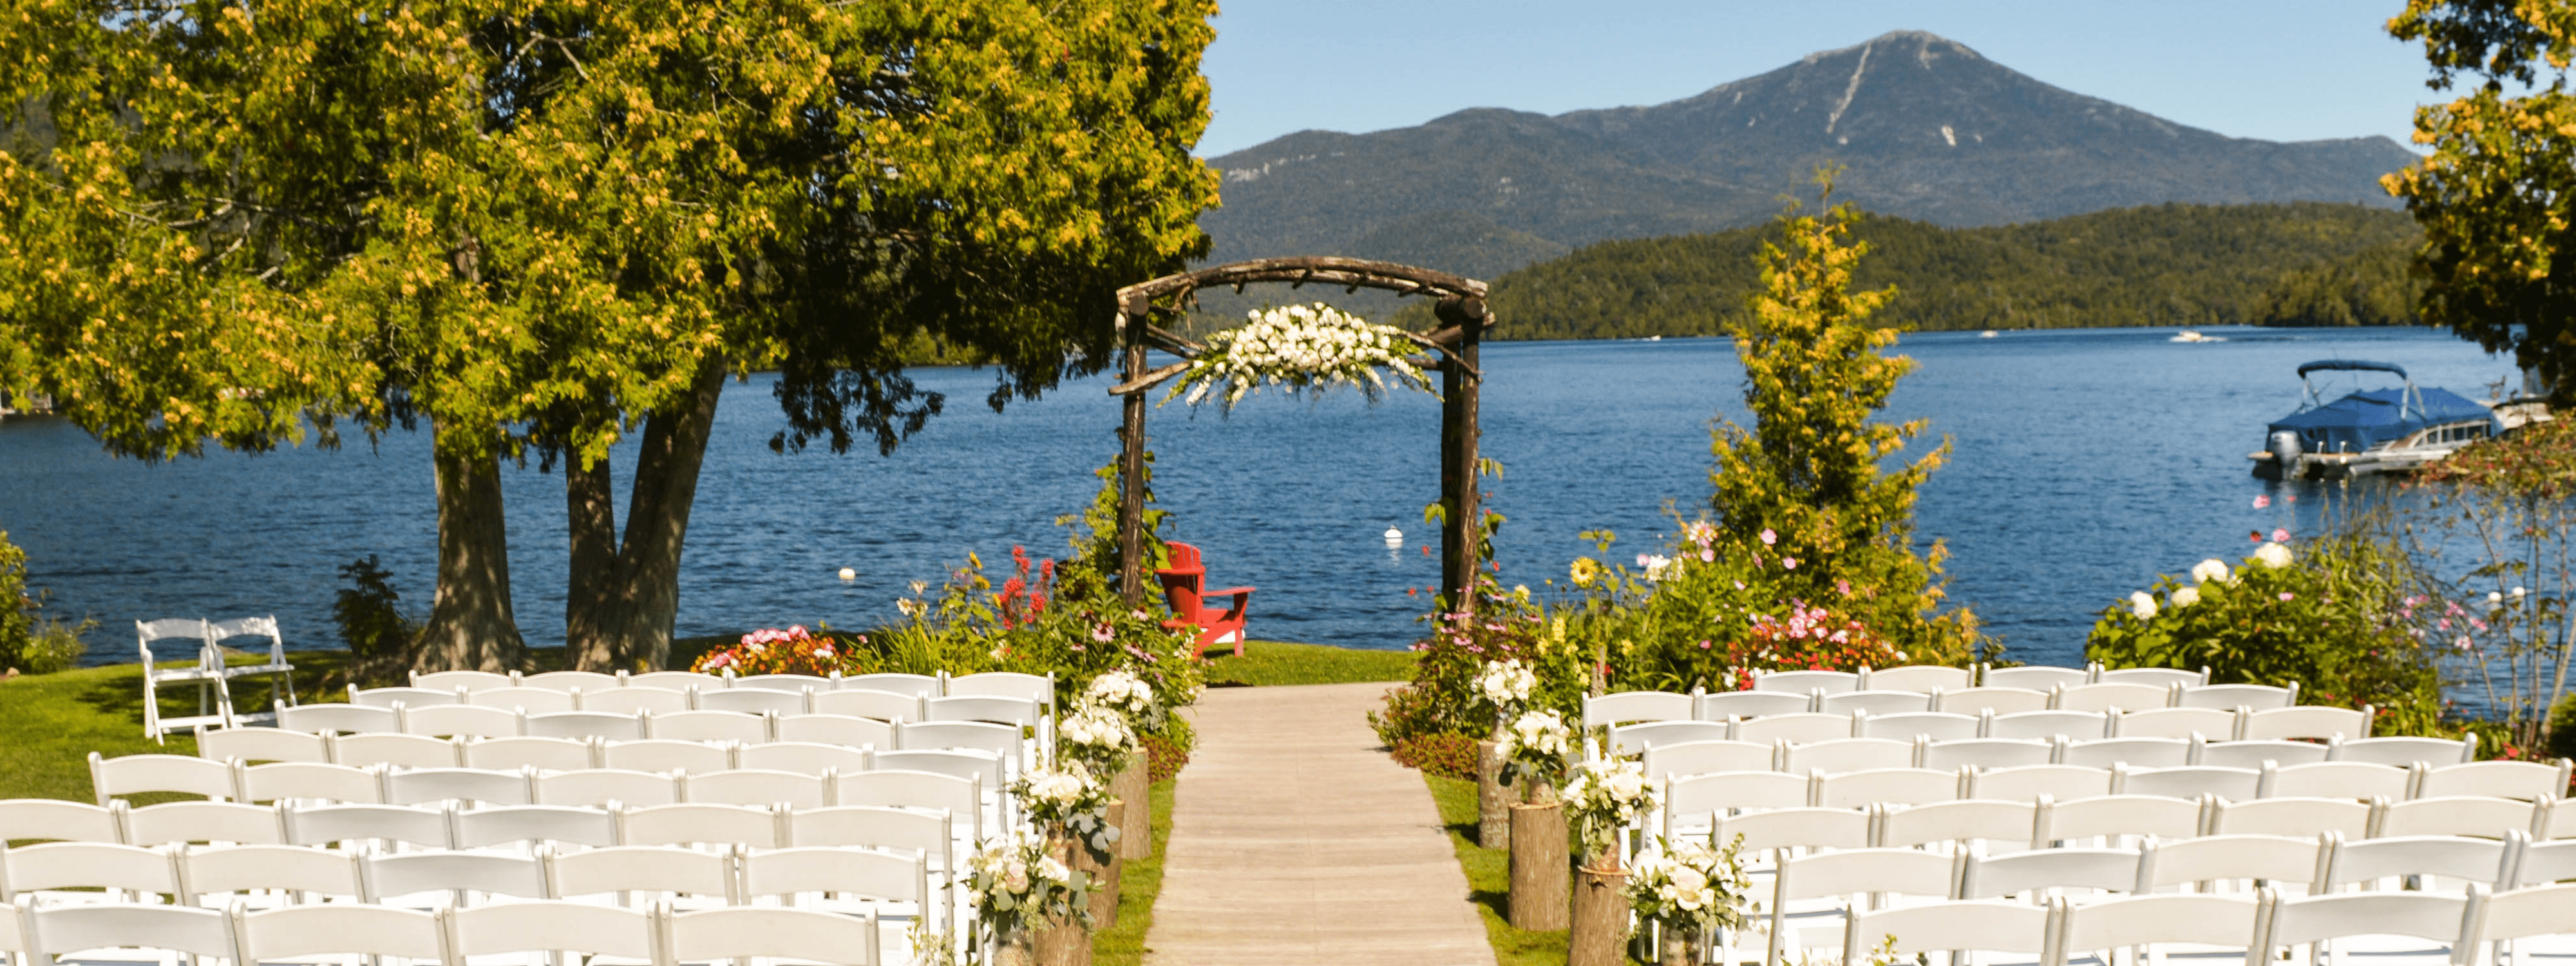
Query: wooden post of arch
column 1463, row 318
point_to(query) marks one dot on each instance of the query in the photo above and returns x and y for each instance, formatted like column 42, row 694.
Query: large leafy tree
column 550, row 225
column 2497, row 195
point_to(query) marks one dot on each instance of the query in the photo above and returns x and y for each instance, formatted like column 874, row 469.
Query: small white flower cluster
column 2211, row 569
column 1535, row 745
column 2142, row 604
column 1017, row 885
column 1129, row 695
column 1506, row 684
column 2274, row 555
column 1299, row 347
column 1657, row 566
column 1604, row 797
column 1095, row 736
column 1688, row 887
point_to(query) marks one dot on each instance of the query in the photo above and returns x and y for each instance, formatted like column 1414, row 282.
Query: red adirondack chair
column 1184, row 584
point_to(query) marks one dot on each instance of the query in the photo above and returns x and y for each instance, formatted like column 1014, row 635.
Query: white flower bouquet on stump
column 1689, row 890
column 1020, row 887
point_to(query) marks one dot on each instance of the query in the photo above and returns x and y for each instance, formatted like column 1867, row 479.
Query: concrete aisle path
column 1294, row 840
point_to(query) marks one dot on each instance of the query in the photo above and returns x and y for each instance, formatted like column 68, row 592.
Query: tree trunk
column 591, row 512
column 633, row 593
column 1064, row 942
column 1538, row 897
column 1600, row 928
column 470, row 624
column 1493, row 799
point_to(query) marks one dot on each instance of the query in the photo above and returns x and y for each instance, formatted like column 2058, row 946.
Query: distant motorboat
column 1988, row 334
column 2193, row 335
column 2370, row 431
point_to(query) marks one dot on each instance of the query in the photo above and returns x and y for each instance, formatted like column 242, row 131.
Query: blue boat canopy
column 2350, row 365
column 2369, row 418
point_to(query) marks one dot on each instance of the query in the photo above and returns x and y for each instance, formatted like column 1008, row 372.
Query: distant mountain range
column 1930, row 131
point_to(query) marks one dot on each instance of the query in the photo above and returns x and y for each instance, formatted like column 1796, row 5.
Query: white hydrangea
column 2185, row 596
column 1095, row 735
column 2273, row 555
column 2209, row 570
column 1506, row 684
column 2143, row 604
column 1299, row 347
column 1123, row 691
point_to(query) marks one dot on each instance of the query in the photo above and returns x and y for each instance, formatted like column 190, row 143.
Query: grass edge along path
column 1139, row 884
column 1489, row 880
column 1273, row 663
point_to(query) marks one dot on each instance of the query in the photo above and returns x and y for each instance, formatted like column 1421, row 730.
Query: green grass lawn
column 1138, row 885
column 1489, row 880
column 49, row 723
column 1278, row 662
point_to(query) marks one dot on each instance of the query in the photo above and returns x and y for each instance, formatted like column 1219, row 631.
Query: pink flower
column 2286, row 596
column 1739, row 585
column 1707, row 555
column 1703, row 645
column 1102, row 633
column 1789, row 562
column 2280, row 535
column 2261, row 501
column 1769, row 537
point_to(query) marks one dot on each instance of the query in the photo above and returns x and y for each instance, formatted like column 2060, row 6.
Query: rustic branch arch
column 1462, row 316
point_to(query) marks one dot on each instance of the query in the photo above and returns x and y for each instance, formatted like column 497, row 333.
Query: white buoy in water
column 1394, row 537
column 849, row 574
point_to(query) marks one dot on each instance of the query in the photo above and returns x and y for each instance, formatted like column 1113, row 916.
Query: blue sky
column 2276, row 69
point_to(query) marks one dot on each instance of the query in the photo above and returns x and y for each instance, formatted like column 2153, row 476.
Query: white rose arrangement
column 1129, row 695
column 1506, row 684
column 1069, row 799
column 1603, row 799
column 1018, row 886
column 1299, row 347
column 1689, row 887
column 1096, row 737
column 1535, row 746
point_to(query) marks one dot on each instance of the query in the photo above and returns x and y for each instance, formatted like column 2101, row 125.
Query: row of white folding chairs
column 910, row 811
column 450, row 936
column 1035, row 687
column 858, row 702
column 2267, row 926
column 1926, row 677
column 818, row 738
column 2044, row 820
column 477, row 721
column 1692, row 757
column 1751, row 790
column 2210, row 708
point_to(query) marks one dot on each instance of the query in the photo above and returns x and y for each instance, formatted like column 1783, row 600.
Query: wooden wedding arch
column 1462, row 317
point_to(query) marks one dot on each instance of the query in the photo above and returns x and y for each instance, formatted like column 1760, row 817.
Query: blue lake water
column 2086, row 462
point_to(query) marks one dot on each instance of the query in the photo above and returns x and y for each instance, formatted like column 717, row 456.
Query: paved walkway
column 1294, row 840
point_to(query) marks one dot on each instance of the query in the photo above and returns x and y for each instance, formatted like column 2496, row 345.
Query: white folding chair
column 2252, row 753
column 2498, row 779
column 789, row 683
column 2159, row 677
column 2132, row 752
column 1721, row 705
column 126, row 871
column 750, row 700
column 675, row 680
column 550, row 754
column 2215, row 724
column 2230, row 860
column 1849, row 878
column 2188, row 782
column 1039, row 688
column 585, row 930
column 1928, row 725
column 2111, row 696
column 865, row 703
column 56, row 933
column 2032, row 677
column 531, row 826
column 261, row 745
column 1980, row 700
column 1634, row 739
column 281, row 675
column 2232, row 923
column 404, row 695
column 2291, row 816
column 1625, row 707
column 1797, row 828
column 2337, row 779
column 631, row 874
column 300, row 933
column 139, row 774
column 309, row 782
column 2512, row 920
column 916, row 685
column 626, row 701
column 666, row 755
column 1955, row 927
column 1925, row 678
column 1988, row 753
column 434, row 878
column 1806, row 682
column 2029, row 782
column 206, row 668
column 601, row 787
column 28, row 819
column 2050, row 725
column 748, row 786
column 217, row 875
column 1886, row 786
column 804, row 758
column 582, row 681
column 2309, row 721
column 393, row 750
column 1875, row 702
column 982, row 766
column 707, row 726
column 523, row 699
column 422, row 786
column 1002, row 741
column 886, row 884
column 931, row 833
column 2334, row 925
column 2042, row 874
column 2423, row 861
column 699, row 823
column 986, row 708
column 1965, row 820
column 2228, row 697
column 327, row 824
column 2469, row 815
column 741, row 932
column 1799, row 728
column 326, row 718
column 1663, row 761
column 460, row 721
column 1846, row 754
column 1689, row 801
column 2114, row 819
column 469, row 680
column 2405, row 752
column 2542, row 863
column 919, row 790
column 226, row 822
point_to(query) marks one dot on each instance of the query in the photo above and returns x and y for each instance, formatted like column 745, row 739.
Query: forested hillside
column 2176, row 264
